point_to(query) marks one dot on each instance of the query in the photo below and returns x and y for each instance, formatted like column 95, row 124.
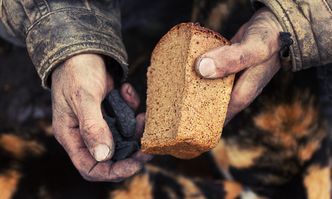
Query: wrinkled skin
column 79, row 86
column 253, row 56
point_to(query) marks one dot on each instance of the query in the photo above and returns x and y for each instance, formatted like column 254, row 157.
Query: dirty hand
column 79, row 86
column 254, row 52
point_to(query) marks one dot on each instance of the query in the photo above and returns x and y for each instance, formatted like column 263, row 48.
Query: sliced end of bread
column 185, row 113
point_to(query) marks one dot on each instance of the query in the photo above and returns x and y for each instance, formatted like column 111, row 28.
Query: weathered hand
column 254, row 53
column 79, row 86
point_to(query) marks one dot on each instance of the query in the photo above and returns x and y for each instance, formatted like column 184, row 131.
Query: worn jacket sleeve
column 310, row 24
column 54, row 30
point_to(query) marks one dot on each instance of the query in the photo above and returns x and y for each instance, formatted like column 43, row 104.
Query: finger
column 249, row 85
column 140, row 124
column 105, row 171
column 88, row 167
column 142, row 157
column 114, row 171
column 93, row 128
column 124, row 169
column 239, row 34
column 130, row 96
column 258, row 44
column 92, row 170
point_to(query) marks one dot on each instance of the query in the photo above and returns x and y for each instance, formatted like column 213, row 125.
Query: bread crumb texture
column 185, row 113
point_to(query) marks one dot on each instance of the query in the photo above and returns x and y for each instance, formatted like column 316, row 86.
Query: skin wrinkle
column 265, row 36
column 95, row 174
column 93, row 140
column 93, row 167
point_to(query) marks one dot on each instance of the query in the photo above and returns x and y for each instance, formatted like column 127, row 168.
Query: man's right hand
column 253, row 56
column 79, row 86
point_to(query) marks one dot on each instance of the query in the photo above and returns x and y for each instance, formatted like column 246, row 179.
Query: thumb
column 93, row 128
column 259, row 42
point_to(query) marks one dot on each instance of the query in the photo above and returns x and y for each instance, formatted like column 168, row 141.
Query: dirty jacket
column 310, row 24
column 54, row 30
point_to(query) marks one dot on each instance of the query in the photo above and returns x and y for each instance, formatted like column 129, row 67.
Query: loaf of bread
column 185, row 113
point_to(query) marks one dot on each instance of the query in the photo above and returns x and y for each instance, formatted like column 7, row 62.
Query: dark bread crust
column 199, row 28
column 193, row 26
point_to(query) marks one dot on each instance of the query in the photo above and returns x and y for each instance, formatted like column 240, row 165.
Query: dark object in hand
column 124, row 149
column 285, row 42
column 122, row 125
column 123, row 114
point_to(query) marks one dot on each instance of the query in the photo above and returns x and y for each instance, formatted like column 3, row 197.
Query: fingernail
column 207, row 67
column 101, row 152
column 130, row 90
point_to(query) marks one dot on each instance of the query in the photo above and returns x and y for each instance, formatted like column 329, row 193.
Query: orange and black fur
column 279, row 146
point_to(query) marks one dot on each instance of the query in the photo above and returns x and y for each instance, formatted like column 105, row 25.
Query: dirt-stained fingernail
column 101, row 152
column 206, row 67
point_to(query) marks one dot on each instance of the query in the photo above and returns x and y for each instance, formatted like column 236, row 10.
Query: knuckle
column 75, row 94
column 223, row 70
column 242, row 58
column 81, row 93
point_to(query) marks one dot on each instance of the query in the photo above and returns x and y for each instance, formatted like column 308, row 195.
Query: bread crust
column 183, row 143
column 192, row 26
